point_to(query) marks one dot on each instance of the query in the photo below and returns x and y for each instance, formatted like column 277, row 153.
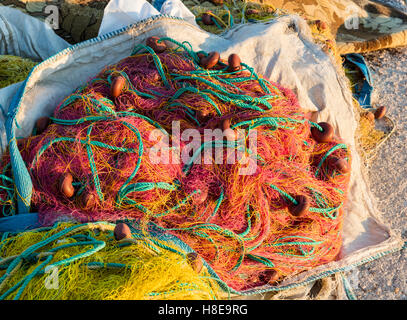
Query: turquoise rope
column 263, row 260
column 218, row 203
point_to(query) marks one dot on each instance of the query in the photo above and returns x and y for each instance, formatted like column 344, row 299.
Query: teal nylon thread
column 11, row 192
column 196, row 91
column 229, row 96
column 218, row 203
column 263, row 260
column 181, row 45
column 348, row 289
column 25, row 281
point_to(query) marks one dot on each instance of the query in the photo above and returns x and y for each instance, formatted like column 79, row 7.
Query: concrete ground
column 386, row 278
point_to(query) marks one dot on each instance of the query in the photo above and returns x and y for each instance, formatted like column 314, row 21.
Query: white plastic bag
column 121, row 13
column 24, row 36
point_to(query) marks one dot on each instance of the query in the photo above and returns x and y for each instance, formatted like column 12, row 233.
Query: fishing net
column 85, row 262
column 220, row 16
column 14, row 69
column 374, row 126
column 272, row 208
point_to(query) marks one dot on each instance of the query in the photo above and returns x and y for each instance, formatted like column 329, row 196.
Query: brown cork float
column 302, row 206
column 117, row 86
column 122, row 231
column 210, row 61
column 66, row 186
column 325, row 135
column 234, row 63
column 153, row 43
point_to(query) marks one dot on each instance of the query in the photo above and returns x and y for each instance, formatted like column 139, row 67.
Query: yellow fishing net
column 14, row 69
column 118, row 271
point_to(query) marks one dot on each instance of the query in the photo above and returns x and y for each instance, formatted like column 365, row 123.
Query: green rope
column 218, row 203
column 182, row 45
column 260, row 259
column 267, row 121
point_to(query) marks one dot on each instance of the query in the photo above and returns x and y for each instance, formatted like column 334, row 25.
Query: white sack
column 121, row 13
column 24, row 36
column 283, row 51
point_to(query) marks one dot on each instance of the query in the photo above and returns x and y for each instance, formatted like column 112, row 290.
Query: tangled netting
column 276, row 210
column 93, row 266
column 14, row 69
